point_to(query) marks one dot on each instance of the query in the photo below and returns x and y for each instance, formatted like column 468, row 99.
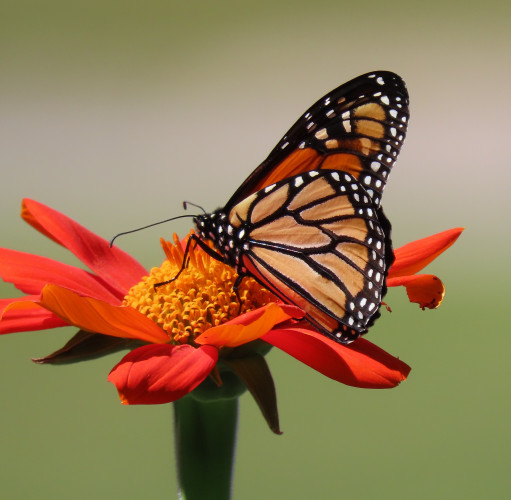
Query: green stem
column 205, row 435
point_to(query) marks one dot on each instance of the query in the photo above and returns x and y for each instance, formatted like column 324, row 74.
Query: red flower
column 182, row 343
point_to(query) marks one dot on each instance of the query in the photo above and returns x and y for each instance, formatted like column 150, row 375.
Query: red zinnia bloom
column 186, row 328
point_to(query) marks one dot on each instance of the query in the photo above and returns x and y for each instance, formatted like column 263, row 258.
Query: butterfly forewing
column 316, row 241
column 357, row 128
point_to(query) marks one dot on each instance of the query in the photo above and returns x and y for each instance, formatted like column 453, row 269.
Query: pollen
column 200, row 293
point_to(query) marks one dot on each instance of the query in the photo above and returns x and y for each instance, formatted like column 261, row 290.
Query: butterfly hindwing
column 316, row 241
column 357, row 128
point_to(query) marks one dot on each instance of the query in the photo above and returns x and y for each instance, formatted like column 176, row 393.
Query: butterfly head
column 228, row 241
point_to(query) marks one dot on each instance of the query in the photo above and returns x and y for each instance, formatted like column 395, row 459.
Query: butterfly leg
column 186, row 259
column 235, row 289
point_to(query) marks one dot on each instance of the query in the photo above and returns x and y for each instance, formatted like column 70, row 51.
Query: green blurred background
column 114, row 112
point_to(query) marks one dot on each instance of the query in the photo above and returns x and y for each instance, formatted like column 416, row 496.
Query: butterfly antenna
column 150, row 225
column 186, row 203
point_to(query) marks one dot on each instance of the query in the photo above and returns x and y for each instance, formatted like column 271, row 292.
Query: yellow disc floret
column 201, row 296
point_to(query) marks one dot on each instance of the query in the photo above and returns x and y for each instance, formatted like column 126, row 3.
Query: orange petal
column 248, row 327
column 414, row 256
column 359, row 364
column 424, row 289
column 94, row 315
column 156, row 374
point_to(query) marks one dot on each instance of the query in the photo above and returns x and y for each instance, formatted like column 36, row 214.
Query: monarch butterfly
column 307, row 223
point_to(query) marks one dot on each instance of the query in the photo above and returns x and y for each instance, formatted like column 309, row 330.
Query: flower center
column 199, row 298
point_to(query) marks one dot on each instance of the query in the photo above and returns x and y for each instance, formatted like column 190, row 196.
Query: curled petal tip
column 426, row 290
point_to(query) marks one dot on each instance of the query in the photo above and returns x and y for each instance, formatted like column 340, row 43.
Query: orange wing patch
column 299, row 161
column 314, row 190
column 346, row 162
column 358, row 254
column 354, row 228
column 289, row 295
column 333, row 207
column 311, row 283
column 270, row 203
column 370, row 110
column 285, row 231
column 351, row 277
column 370, row 128
column 239, row 212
